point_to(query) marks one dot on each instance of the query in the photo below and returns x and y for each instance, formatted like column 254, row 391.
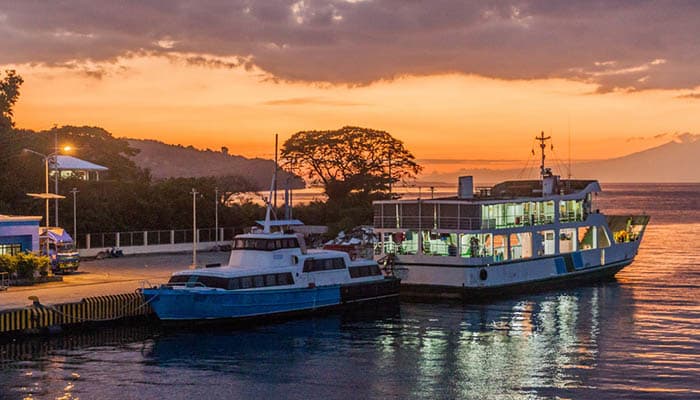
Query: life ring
column 483, row 275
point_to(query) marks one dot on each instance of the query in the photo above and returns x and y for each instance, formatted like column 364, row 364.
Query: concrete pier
column 101, row 290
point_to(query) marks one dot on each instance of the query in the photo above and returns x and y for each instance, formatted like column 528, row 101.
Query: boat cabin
column 509, row 221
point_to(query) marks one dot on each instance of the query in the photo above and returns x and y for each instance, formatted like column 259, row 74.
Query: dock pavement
column 109, row 276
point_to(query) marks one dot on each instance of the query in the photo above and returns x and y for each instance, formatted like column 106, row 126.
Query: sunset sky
column 454, row 81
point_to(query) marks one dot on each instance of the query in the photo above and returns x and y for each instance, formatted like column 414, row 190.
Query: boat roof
column 262, row 235
column 281, row 222
column 227, row 271
column 525, row 190
column 533, row 188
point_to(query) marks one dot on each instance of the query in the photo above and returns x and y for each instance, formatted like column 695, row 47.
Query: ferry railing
column 465, row 223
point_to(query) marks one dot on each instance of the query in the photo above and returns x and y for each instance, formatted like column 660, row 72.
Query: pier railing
column 156, row 237
column 90, row 244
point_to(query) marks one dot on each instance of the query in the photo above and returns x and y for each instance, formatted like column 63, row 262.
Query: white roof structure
column 68, row 163
column 282, row 222
column 18, row 218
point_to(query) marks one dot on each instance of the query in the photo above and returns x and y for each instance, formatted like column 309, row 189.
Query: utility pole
column 274, row 201
column 216, row 216
column 75, row 219
column 55, row 172
column 194, row 228
column 390, row 180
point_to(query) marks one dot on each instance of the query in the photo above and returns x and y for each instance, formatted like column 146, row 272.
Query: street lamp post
column 75, row 219
column 194, row 227
column 46, row 195
column 216, row 216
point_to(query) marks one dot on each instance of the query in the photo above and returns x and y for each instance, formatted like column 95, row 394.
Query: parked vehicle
column 113, row 252
column 59, row 246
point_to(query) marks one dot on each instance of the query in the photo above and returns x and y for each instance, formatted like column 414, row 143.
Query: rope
column 73, row 317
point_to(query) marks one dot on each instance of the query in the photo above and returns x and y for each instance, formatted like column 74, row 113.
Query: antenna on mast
column 273, row 192
column 542, row 139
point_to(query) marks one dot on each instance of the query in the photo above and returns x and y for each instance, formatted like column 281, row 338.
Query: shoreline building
column 19, row 234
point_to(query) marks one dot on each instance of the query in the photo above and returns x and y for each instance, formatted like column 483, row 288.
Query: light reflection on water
column 635, row 337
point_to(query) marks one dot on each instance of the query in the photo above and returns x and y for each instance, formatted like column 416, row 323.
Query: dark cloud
column 620, row 45
column 694, row 96
column 298, row 101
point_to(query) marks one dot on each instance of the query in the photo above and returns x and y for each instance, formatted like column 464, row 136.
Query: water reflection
column 530, row 348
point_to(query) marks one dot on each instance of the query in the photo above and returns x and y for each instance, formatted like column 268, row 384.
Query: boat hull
column 209, row 304
column 422, row 292
column 426, row 277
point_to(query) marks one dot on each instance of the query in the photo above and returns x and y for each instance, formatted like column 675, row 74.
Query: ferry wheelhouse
column 514, row 237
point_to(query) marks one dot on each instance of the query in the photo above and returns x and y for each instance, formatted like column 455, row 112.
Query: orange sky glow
column 443, row 116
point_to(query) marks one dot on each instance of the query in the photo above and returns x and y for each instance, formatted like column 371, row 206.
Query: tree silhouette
column 350, row 159
column 9, row 92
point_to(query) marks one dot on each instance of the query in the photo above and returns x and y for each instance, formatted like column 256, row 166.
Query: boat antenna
column 543, row 171
column 276, row 168
column 268, row 209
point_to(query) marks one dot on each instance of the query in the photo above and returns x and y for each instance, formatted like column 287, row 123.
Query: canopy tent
column 68, row 163
column 68, row 166
column 58, row 235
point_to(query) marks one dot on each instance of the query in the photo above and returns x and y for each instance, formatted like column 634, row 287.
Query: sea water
column 634, row 337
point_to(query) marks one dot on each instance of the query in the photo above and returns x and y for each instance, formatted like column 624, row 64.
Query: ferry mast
column 542, row 139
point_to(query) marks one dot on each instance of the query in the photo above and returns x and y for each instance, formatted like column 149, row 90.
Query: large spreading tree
column 350, row 159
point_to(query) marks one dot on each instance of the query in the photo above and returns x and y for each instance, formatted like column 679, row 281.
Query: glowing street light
column 46, row 195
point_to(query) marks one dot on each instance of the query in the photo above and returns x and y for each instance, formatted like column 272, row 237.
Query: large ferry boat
column 515, row 237
column 270, row 273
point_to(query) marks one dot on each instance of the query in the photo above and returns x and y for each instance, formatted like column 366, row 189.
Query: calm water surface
column 635, row 337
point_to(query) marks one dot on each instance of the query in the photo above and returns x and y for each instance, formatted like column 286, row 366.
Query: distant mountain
column 676, row 161
column 171, row 161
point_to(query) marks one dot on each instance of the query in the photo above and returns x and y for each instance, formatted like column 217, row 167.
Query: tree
column 9, row 92
column 350, row 159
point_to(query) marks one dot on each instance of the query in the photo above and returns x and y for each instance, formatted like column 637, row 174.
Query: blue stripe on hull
column 172, row 304
column 561, row 266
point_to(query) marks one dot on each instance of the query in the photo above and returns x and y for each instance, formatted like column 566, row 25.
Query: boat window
column 266, row 280
column 179, row 279
column 246, row 282
column 234, row 283
column 364, row 270
column 265, row 244
column 585, row 238
column 284, row 279
column 259, row 281
column 567, row 240
column 603, row 240
column 213, row 281
column 323, row 264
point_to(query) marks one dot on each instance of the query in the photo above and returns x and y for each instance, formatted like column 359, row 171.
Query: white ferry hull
column 421, row 278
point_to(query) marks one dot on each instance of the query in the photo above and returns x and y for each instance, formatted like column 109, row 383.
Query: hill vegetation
column 177, row 161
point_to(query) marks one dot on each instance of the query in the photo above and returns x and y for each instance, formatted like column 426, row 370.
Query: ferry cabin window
column 585, row 238
column 567, row 240
column 265, row 244
column 436, row 244
column 364, row 270
column 603, row 240
column 323, row 264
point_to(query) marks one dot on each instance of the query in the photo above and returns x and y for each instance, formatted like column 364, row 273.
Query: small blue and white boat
column 270, row 274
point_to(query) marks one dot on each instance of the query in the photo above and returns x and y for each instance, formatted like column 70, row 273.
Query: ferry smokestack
column 466, row 187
